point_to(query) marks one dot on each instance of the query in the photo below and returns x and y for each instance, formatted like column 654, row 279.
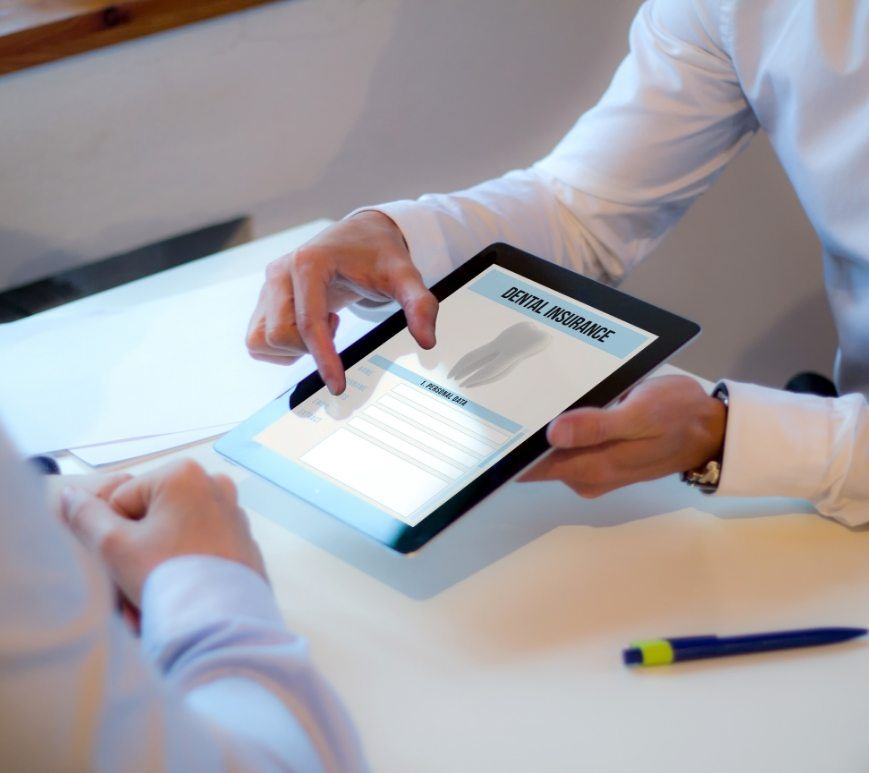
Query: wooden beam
column 33, row 32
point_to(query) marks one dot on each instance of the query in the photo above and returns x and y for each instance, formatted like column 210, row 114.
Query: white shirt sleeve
column 217, row 683
column 670, row 121
column 801, row 446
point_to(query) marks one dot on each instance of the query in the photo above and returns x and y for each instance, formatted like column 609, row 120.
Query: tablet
column 420, row 437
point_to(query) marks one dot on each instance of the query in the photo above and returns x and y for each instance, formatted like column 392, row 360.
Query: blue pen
column 662, row 652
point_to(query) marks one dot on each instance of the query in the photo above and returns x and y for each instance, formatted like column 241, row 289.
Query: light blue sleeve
column 213, row 629
column 217, row 682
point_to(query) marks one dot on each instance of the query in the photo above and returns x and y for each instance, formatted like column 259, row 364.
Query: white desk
column 497, row 647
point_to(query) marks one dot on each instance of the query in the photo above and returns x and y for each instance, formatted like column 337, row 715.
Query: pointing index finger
column 315, row 324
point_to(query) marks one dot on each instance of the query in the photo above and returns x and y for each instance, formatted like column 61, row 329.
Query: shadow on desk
column 512, row 517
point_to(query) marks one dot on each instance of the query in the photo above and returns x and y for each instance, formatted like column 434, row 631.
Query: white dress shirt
column 216, row 683
column 701, row 77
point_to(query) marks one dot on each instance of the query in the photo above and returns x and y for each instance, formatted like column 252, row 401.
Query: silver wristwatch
column 706, row 477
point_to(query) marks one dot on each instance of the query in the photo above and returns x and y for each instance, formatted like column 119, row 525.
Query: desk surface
column 497, row 647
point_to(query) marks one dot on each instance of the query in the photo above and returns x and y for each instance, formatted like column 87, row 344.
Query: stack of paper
column 113, row 385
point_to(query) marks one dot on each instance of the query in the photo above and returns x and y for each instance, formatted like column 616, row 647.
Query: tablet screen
column 415, row 426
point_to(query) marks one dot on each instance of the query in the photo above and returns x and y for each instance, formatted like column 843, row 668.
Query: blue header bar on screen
column 559, row 314
column 467, row 405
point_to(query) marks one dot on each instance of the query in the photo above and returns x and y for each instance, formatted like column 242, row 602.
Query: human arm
column 662, row 426
column 221, row 684
column 774, row 443
column 672, row 118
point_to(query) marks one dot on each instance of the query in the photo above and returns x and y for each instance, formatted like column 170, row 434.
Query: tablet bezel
column 672, row 332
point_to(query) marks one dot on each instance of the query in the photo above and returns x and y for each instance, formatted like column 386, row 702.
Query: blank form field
column 429, row 422
column 472, row 424
column 446, row 449
column 402, row 446
column 373, row 471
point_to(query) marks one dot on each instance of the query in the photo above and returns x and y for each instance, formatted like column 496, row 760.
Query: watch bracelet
column 707, row 476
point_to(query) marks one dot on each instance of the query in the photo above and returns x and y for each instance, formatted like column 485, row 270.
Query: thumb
column 91, row 519
column 588, row 427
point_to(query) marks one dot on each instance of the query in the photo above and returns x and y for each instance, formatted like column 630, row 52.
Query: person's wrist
column 133, row 570
column 196, row 592
column 382, row 220
column 712, row 421
column 714, row 424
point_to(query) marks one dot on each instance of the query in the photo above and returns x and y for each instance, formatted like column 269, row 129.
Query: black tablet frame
column 672, row 332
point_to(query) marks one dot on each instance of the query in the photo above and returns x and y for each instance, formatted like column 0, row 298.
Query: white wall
column 306, row 108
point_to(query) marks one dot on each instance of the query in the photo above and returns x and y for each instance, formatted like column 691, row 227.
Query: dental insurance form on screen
column 415, row 426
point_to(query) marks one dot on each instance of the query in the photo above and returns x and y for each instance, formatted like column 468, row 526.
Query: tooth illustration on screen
column 494, row 360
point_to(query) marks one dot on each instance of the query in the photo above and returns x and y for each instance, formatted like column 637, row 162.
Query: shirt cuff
column 777, row 443
column 188, row 595
column 425, row 240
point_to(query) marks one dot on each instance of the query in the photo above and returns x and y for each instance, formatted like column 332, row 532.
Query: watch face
column 705, row 479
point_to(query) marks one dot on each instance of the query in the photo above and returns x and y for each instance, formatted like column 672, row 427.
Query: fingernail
column 558, row 434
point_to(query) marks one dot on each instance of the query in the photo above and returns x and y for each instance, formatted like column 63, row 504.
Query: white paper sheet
column 124, row 450
column 164, row 366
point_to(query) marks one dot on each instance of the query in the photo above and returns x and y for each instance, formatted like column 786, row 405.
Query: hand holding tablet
column 663, row 426
column 421, row 436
